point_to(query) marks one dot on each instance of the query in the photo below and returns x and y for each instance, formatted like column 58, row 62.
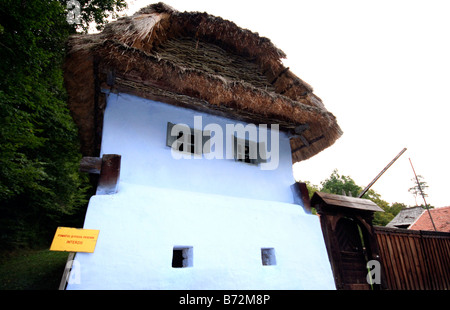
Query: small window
column 187, row 140
column 249, row 151
column 268, row 257
column 182, row 257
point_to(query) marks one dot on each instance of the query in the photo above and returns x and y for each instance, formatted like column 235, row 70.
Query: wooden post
column 65, row 276
column 301, row 195
column 304, row 194
column 109, row 174
column 381, row 173
column 91, row 165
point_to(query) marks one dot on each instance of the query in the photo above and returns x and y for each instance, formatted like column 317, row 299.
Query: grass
column 32, row 270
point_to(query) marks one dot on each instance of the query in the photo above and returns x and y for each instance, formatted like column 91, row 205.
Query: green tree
column 390, row 211
column 40, row 186
column 416, row 189
column 93, row 11
column 341, row 184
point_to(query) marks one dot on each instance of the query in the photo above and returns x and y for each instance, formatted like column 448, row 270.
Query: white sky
column 381, row 67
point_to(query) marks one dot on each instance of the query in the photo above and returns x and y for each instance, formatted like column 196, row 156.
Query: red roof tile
column 441, row 219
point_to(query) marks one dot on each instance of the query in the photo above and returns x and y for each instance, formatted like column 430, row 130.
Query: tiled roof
column 441, row 219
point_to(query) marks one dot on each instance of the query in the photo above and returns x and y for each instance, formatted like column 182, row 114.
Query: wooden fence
column 414, row 260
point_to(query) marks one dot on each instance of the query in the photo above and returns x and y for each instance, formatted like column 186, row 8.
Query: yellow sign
column 74, row 240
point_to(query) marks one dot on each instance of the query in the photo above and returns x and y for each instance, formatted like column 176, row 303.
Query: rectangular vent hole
column 182, row 257
column 268, row 256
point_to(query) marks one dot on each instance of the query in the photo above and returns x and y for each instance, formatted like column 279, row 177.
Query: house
column 418, row 218
column 207, row 123
column 406, row 217
column 441, row 220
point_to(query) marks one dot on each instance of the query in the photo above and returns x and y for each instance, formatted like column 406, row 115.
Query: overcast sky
column 381, row 67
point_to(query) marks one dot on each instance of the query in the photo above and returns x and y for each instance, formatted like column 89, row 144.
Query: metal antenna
column 423, row 196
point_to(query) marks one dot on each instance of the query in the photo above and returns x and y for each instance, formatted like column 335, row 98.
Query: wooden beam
column 308, row 142
column 110, row 77
column 304, row 194
column 301, row 128
column 109, row 174
column 109, row 169
column 279, row 74
column 91, row 165
column 301, row 196
column 305, row 142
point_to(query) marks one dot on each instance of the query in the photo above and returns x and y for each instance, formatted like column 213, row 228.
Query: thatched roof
column 198, row 61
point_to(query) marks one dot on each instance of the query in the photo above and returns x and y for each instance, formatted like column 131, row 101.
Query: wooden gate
column 352, row 253
column 348, row 233
column 408, row 259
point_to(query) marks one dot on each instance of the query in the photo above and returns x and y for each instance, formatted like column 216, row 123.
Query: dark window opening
column 177, row 259
column 182, row 257
column 248, row 151
column 268, row 257
column 187, row 140
column 187, row 145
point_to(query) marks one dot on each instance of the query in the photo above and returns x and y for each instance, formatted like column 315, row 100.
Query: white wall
column 140, row 225
column 226, row 211
column 131, row 122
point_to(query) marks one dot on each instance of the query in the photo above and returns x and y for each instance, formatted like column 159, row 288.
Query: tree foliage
column 40, row 185
column 341, row 184
column 94, row 11
column 419, row 188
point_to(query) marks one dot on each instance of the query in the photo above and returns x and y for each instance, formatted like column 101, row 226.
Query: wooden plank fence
column 413, row 259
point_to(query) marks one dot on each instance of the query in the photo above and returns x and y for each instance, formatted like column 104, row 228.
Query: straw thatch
column 198, row 61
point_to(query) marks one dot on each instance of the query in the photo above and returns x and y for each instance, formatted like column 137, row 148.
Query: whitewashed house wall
column 225, row 213
column 136, row 129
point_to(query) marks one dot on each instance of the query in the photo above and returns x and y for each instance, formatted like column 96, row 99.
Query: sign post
column 73, row 240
